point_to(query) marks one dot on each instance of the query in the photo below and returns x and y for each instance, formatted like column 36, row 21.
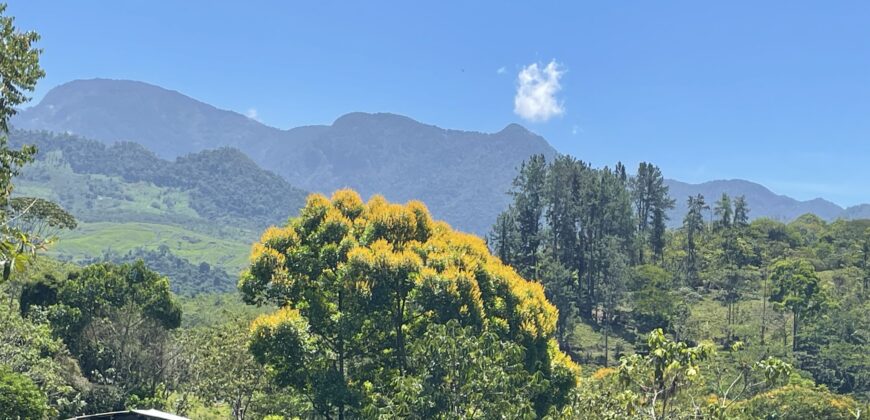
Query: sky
column 776, row 92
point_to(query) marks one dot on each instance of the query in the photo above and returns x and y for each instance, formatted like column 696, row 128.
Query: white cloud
column 501, row 70
column 536, row 92
column 252, row 114
column 575, row 129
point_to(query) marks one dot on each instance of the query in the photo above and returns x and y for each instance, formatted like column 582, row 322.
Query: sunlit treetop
column 377, row 273
column 451, row 274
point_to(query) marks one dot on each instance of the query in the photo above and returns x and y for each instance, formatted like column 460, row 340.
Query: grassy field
column 92, row 239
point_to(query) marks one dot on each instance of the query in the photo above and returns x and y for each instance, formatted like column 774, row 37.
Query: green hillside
column 202, row 208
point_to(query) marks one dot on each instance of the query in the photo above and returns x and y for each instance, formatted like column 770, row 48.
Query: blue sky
column 773, row 92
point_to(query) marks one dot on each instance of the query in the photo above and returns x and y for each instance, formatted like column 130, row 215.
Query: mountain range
column 462, row 176
column 762, row 201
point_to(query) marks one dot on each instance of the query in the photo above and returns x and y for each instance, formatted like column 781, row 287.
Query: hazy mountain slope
column 861, row 211
column 462, row 176
column 762, row 201
column 164, row 121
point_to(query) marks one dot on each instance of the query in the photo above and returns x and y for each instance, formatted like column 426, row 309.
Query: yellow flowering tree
column 358, row 283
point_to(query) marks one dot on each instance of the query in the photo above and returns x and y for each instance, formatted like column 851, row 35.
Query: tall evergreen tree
column 651, row 202
column 693, row 226
column 503, row 238
column 723, row 212
column 741, row 212
column 528, row 195
column 563, row 180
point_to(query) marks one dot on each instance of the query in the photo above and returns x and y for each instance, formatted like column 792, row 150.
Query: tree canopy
column 357, row 283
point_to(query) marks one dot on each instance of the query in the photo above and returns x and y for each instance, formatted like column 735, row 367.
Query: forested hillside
column 204, row 208
column 221, row 185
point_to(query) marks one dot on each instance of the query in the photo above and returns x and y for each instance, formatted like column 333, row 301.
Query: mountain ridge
column 762, row 201
column 463, row 176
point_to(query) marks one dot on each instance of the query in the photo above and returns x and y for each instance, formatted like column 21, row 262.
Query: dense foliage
column 19, row 397
column 115, row 319
column 359, row 283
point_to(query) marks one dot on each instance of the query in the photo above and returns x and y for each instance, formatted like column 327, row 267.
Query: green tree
column 724, row 212
column 613, row 289
column 564, row 179
column 735, row 265
column 503, row 239
column 741, row 212
column 693, row 227
column 115, row 319
column 462, row 375
column 663, row 372
column 528, row 195
column 19, row 72
column 560, row 285
column 358, row 283
column 655, row 303
column 19, row 397
column 651, row 201
column 796, row 286
column 219, row 368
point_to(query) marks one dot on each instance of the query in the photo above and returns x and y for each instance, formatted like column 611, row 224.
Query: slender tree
column 651, row 201
column 503, row 239
column 528, row 195
column 797, row 288
column 693, row 227
column 723, row 212
column 741, row 212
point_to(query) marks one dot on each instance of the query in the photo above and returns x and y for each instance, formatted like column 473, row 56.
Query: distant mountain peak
column 514, row 128
column 104, row 87
column 166, row 121
column 377, row 119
